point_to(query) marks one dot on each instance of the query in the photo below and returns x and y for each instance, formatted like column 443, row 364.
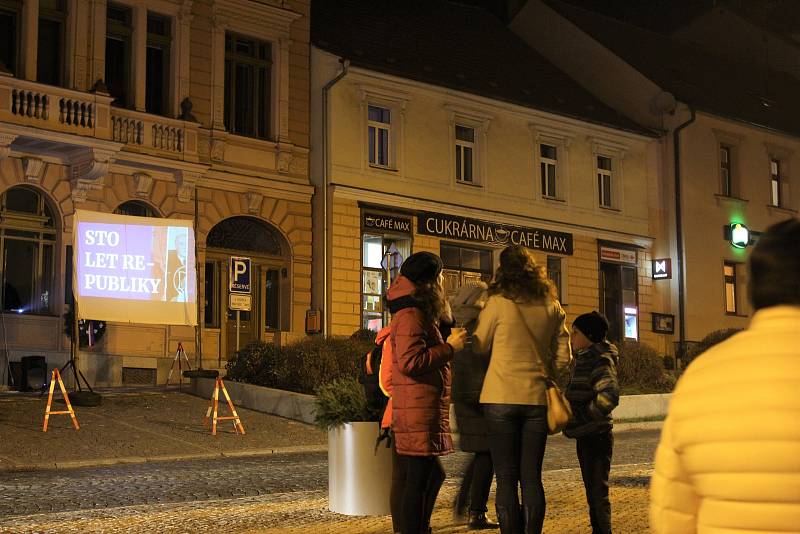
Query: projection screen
column 134, row 269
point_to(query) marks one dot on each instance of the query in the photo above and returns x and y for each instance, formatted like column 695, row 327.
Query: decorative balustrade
column 149, row 132
column 54, row 108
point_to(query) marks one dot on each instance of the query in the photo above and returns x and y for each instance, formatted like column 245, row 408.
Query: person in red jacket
column 421, row 383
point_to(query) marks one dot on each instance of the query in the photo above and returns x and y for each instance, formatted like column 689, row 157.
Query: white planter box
column 359, row 478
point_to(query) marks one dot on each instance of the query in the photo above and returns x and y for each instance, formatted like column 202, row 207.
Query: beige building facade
column 729, row 148
column 411, row 166
column 192, row 110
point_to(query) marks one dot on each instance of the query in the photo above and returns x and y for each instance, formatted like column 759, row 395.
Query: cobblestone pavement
column 283, row 493
column 135, row 426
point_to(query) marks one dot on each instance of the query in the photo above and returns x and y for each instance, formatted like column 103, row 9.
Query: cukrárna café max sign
column 494, row 234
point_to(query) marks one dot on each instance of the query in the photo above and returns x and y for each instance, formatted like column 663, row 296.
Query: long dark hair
column 432, row 300
column 520, row 278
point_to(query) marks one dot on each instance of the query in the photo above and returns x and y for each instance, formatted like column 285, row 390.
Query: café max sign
column 494, row 234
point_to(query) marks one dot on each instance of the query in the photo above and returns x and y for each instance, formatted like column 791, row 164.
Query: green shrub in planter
column 341, row 401
column 641, row 368
column 717, row 336
column 301, row 366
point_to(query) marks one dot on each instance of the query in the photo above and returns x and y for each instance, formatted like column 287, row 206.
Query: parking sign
column 239, row 275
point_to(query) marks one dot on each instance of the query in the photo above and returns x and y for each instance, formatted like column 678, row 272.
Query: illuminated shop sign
column 386, row 223
column 740, row 235
column 620, row 255
column 662, row 269
column 495, row 234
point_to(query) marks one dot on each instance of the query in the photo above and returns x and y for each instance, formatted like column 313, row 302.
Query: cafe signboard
column 492, row 233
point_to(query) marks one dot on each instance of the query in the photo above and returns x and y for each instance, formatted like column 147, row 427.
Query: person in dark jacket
column 468, row 372
column 593, row 393
column 421, row 384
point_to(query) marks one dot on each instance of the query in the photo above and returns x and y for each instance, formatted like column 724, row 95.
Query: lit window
column 378, row 127
column 604, row 177
column 465, row 154
column 729, row 271
column 775, row 176
column 548, row 161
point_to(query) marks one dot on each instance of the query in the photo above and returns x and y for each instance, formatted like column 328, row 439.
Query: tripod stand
column 178, row 354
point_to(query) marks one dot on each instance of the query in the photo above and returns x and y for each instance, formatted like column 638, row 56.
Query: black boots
column 533, row 519
column 509, row 519
column 478, row 521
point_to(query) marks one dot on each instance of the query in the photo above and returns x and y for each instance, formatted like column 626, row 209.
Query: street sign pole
column 238, row 313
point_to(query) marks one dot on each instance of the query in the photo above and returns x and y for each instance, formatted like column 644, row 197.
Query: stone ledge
column 288, row 404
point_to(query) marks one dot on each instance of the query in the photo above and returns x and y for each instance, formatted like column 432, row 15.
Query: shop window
column 27, row 241
column 119, row 33
column 211, row 282
column 605, row 187
column 729, row 273
column 248, row 81
column 554, row 266
column 619, row 300
column 381, row 257
column 272, row 308
column 159, row 41
column 49, row 54
column 465, row 154
column 548, row 162
column 379, row 125
column 465, row 265
column 10, row 17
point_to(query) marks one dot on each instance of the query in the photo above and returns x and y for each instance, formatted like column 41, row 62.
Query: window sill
column 382, row 168
column 609, row 208
column 469, row 184
column 780, row 210
column 726, row 200
column 554, row 199
column 742, row 315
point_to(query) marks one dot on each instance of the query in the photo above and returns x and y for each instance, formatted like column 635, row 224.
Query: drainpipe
column 325, row 178
column 676, row 139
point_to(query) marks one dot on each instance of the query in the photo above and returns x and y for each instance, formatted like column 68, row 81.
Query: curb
column 103, row 462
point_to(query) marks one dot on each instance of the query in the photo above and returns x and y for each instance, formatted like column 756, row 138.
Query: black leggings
column 416, row 481
column 517, row 438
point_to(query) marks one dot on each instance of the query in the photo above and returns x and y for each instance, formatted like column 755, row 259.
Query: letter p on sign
column 239, row 275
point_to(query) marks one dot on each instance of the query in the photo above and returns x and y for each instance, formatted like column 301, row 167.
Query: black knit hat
column 592, row 325
column 421, row 267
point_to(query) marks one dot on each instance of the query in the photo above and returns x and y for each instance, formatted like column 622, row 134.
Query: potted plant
column 359, row 474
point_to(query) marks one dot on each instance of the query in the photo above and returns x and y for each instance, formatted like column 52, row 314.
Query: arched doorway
column 27, row 242
column 269, row 253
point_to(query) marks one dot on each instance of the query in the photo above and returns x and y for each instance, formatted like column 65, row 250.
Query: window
column 604, row 177
column 50, row 58
column 158, row 64
column 726, row 182
column 10, row 16
column 272, row 300
column 554, row 274
column 729, row 271
column 118, row 54
column 548, row 161
column 248, row 66
column 775, row 175
column 27, row 240
column 463, row 265
column 378, row 126
column 465, row 150
column 137, row 208
column 381, row 258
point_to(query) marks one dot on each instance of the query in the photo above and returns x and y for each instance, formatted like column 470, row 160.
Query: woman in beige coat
column 524, row 327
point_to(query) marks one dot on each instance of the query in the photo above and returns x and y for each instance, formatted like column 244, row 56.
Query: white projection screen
column 134, row 269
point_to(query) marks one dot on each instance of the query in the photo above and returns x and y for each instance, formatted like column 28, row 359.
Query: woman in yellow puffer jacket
column 729, row 457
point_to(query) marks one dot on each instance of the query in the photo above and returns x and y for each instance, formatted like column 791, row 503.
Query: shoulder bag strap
column 546, row 362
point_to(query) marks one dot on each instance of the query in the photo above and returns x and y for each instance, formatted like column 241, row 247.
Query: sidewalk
column 148, row 424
